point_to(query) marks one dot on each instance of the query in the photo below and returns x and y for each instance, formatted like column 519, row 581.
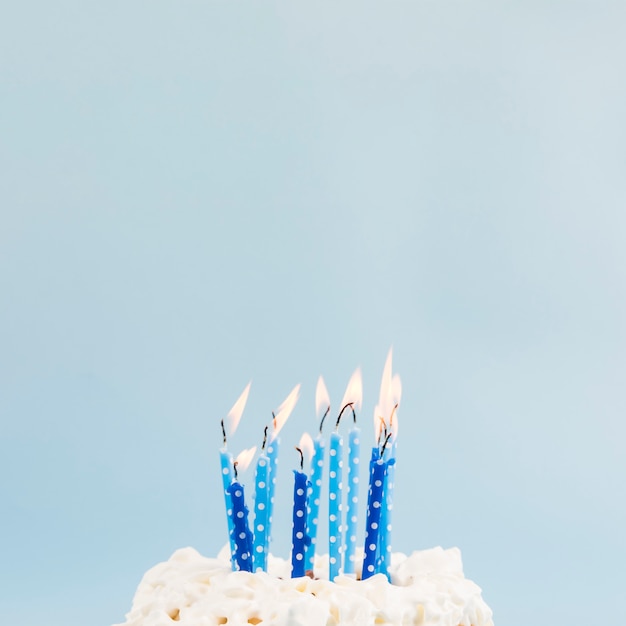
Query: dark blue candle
column 372, row 524
column 299, row 538
column 243, row 536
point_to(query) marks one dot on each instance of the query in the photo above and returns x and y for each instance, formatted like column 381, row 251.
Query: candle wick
column 223, row 432
column 391, row 417
column 382, row 430
column 301, row 459
column 382, row 451
column 274, row 419
column 264, row 438
column 323, row 418
column 351, row 405
column 235, row 469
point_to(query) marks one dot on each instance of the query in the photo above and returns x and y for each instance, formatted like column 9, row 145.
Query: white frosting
column 428, row 589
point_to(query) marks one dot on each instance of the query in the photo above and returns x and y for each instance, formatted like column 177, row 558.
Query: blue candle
column 261, row 513
column 226, row 461
column 243, row 536
column 281, row 416
column 299, row 537
column 315, row 490
column 372, row 524
column 272, row 454
column 384, row 551
column 354, row 450
column 335, row 536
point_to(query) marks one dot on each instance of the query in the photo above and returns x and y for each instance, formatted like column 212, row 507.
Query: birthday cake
column 359, row 582
column 427, row 588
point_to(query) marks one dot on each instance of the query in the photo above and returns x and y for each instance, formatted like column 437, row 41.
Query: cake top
column 428, row 588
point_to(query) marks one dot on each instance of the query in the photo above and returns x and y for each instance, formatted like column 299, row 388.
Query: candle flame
column 396, row 395
column 284, row 410
column 306, row 445
column 322, row 399
column 388, row 399
column 244, row 458
column 234, row 415
column 354, row 391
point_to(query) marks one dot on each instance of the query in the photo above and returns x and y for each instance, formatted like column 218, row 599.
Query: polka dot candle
column 315, row 491
column 354, row 450
column 384, row 538
column 272, row 453
column 226, row 460
column 372, row 524
column 299, row 537
column 335, row 537
column 261, row 498
column 243, row 536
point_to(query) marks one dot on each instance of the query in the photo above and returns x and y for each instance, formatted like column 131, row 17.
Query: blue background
column 196, row 194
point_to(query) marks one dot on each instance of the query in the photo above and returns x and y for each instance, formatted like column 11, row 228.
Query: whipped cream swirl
column 427, row 589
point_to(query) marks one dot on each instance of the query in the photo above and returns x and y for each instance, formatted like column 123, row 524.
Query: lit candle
column 354, row 450
column 272, row 454
column 334, row 505
column 261, row 500
column 317, row 467
column 372, row 523
column 384, row 552
column 353, row 396
column 226, row 462
column 243, row 536
column 299, row 537
column 389, row 400
column 279, row 419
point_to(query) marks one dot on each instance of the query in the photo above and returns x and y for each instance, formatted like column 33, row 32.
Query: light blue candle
column 226, row 461
column 372, row 524
column 335, row 530
column 354, row 451
column 315, row 490
column 261, row 513
column 272, row 454
column 384, row 547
